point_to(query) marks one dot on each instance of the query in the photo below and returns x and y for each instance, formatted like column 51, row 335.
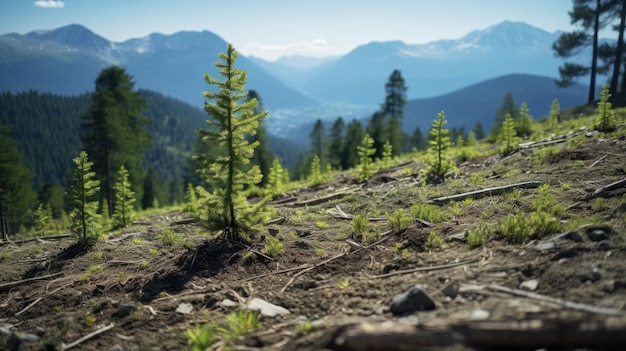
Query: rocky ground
column 143, row 287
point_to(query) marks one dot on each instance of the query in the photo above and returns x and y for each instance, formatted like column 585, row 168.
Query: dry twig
column 427, row 269
column 485, row 192
column 87, row 337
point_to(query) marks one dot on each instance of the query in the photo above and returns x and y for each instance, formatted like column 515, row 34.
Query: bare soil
column 578, row 303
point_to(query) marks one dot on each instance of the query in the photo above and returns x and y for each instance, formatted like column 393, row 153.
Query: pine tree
column 438, row 144
column 508, row 107
column 17, row 198
column 387, row 154
column 124, row 213
column 365, row 152
column 393, row 108
column 43, row 218
column 590, row 15
column 354, row 136
column 191, row 200
column 553, row 118
column 524, row 122
column 84, row 219
column 378, row 133
column 471, row 139
column 315, row 174
column 317, row 140
column 460, row 140
column 418, row 140
column 479, row 131
column 229, row 122
column 114, row 131
column 335, row 143
column 276, row 177
column 262, row 153
column 508, row 133
column 607, row 119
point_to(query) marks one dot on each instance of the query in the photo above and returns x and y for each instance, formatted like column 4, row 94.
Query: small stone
column 597, row 235
column 479, row 315
column 273, row 231
column 414, row 299
column 184, row 308
column 27, row 337
column 228, row 303
column 266, row 308
column 545, row 246
column 573, row 236
column 125, row 309
column 529, row 285
column 451, row 290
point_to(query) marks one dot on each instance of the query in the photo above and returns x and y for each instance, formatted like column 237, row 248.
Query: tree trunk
column 594, row 58
column 3, row 227
column 619, row 51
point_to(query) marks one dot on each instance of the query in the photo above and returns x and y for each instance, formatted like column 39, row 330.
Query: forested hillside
column 47, row 129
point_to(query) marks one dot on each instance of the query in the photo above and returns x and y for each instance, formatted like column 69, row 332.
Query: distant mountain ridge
column 67, row 60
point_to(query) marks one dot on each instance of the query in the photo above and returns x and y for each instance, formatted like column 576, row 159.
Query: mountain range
column 298, row 90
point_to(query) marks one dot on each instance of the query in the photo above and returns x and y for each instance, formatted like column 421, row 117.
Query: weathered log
column 484, row 192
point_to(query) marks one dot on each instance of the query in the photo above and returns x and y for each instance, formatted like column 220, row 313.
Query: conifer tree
column 276, row 177
column 479, row 131
column 606, row 115
column 508, row 106
column 43, row 218
column 191, row 200
column 365, row 152
column 262, row 153
column 438, row 144
column 354, row 136
column 84, row 218
column 387, row 154
column 335, row 143
column 460, row 141
column 113, row 130
column 524, row 122
column 508, row 133
column 17, row 198
column 418, row 140
column 317, row 140
column 471, row 139
column 553, row 118
column 124, row 213
column 230, row 120
column 393, row 108
column 378, row 133
column 315, row 174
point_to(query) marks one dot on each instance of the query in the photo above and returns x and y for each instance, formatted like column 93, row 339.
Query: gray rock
column 529, row 285
column 184, row 308
column 266, row 308
column 479, row 315
column 598, row 232
column 545, row 246
column 125, row 309
column 414, row 299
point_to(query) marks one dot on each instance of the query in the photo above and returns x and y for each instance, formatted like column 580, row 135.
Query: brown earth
column 346, row 292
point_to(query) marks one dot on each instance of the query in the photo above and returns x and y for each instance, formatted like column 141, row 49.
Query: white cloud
column 314, row 48
column 50, row 4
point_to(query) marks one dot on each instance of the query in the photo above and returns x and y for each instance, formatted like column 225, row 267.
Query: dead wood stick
column 485, row 192
column 86, row 337
column 615, row 185
column 278, row 220
column 426, row 269
column 25, row 281
column 343, row 215
column 29, row 306
column 188, row 220
column 598, row 160
column 304, row 266
column 564, row 303
column 392, row 336
column 51, row 237
column 318, row 200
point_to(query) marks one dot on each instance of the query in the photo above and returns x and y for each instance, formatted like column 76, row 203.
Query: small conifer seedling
column 84, row 219
column 232, row 117
column 124, row 213
column 365, row 152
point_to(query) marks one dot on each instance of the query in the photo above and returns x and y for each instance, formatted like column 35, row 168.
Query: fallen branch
column 318, row 200
column 188, row 220
column 86, row 337
column 29, row 306
column 485, row 192
column 51, row 237
column 343, row 215
column 605, row 189
column 564, row 303
column 311, row 268
column 426, row 269
column 25, row 281
column 598, row 160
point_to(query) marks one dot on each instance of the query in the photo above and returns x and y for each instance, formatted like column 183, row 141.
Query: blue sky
column 272, row 28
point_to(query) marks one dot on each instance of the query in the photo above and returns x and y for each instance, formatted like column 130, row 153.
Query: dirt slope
column 567, row 291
